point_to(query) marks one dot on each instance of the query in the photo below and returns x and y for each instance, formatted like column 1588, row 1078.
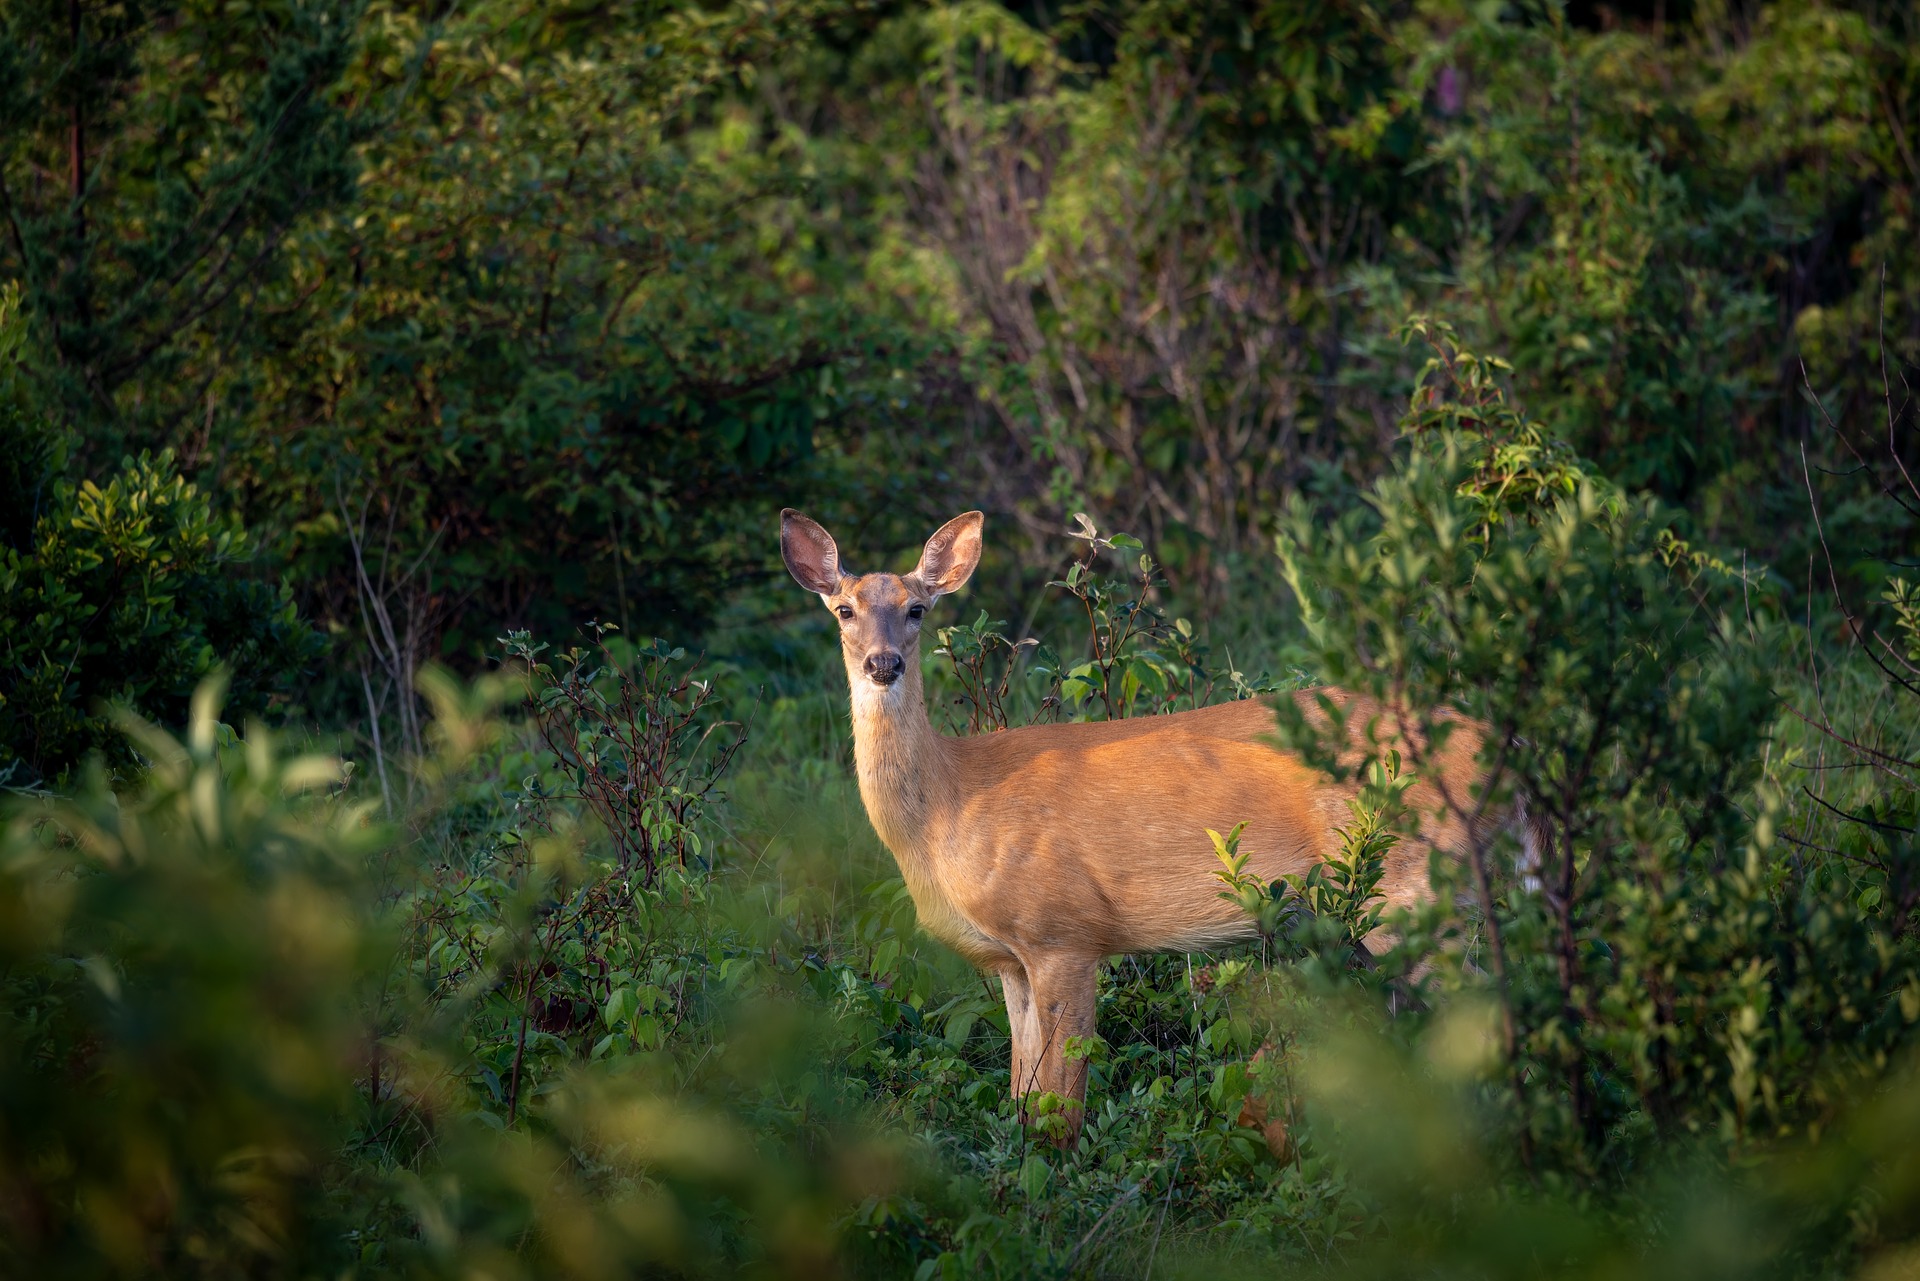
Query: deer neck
column 906, row 775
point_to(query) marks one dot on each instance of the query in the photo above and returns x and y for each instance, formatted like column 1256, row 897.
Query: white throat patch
column 870, row 699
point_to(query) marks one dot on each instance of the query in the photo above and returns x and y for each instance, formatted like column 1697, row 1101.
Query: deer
column 1037, row 852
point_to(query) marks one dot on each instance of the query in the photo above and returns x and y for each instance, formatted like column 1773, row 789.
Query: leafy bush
column 500, row 317
column 1678, row 970
column 1864, row 707
column 494, row 1046
column 129, row 595
column 625, row 729
column 1130, row 659
column 181, row 967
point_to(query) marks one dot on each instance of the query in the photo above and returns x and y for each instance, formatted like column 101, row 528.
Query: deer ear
column 950, row 555
column 811, row 557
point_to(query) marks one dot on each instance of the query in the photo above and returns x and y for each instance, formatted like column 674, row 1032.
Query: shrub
column 129, row 595
column 178, row 969
column 1676, row 971
column 624, row 729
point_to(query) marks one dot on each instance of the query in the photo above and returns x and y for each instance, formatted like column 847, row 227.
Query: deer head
column 880, row 614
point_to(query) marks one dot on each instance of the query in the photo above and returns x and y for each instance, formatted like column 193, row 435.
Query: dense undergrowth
column 363, row 363
column 616, row 977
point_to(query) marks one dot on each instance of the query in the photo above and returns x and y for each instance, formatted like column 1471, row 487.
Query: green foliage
column 1138, row 211
column 1859, row 721
column 125, row 596
column 1137, row 655
column 538, row 1063
column 487, row 320
column 128, row 596
column 482, row 317
column 624, row 728
column 181, row 967
column 1521, row 468
column 493, row 319
column 1340, row 896
column 728, row 1068
column 31, row 454
column 154, row 159
column 983, row 660
column 593, row 315
column 1676, row 971
column 1134, row 660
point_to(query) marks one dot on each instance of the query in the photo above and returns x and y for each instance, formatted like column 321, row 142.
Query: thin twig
column 1855, row 818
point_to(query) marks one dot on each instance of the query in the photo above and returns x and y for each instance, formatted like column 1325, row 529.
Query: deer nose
column 884, row 666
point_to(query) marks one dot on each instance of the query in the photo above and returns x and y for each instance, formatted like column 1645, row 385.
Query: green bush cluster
column 1680, row 969
column 182, row 970
column 129, row 595
column 125, row 594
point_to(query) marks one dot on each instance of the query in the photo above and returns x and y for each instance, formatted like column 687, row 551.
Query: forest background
column 379, row 378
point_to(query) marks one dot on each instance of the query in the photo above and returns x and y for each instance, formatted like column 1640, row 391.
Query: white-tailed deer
column 1037, row 852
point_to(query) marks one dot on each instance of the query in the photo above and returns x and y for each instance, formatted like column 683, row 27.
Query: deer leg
column 1064, row 999
column 1025, row 1029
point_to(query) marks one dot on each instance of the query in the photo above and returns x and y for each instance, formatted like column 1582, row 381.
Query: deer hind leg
column 1064, row 1001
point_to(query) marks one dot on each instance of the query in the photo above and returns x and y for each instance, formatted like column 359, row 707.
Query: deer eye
column 846, row 611
column 915, row 611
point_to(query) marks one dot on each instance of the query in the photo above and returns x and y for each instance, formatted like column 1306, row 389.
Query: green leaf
column 1034, row 1176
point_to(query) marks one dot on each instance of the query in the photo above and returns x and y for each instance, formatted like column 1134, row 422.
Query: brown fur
column 1037, row 852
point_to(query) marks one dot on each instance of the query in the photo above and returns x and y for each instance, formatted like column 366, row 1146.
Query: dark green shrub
column 1676, row 971
column 129, row 595
column 178, row 976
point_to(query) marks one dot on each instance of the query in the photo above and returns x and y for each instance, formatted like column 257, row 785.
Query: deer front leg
column 1025, row 1030
column 1064, row 999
